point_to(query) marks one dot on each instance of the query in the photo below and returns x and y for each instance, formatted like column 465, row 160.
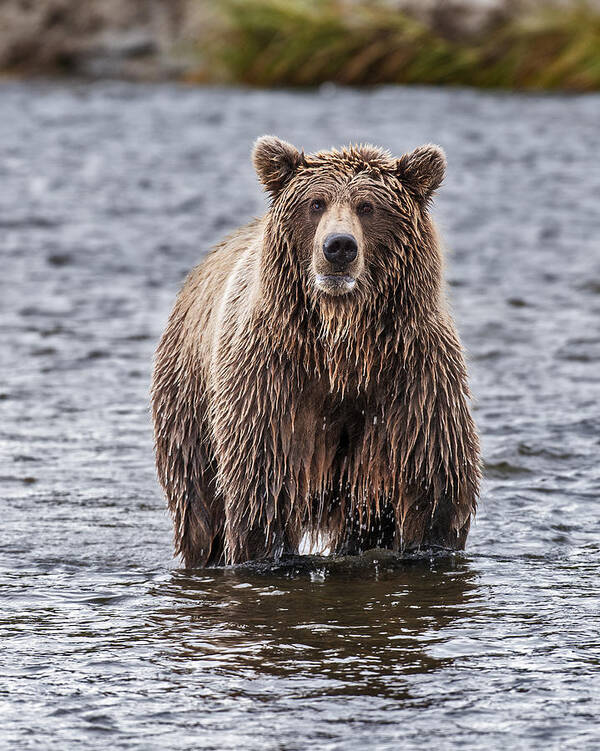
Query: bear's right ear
column 275, row 161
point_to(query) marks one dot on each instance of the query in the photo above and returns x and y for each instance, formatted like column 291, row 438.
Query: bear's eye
column 317, row 205
column 364, row 208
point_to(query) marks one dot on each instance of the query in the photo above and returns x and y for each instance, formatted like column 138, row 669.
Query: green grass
column 308, row 42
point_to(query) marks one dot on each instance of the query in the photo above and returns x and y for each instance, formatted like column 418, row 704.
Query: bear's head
column 354, row 221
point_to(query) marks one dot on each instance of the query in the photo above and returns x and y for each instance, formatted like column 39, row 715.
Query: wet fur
column 280, row 410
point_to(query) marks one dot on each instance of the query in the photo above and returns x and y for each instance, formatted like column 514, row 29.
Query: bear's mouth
column 335, row 284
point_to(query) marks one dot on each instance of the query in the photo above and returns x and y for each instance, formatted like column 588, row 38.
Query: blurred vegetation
column 309, row 42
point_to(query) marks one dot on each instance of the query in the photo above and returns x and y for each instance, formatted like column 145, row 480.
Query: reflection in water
column 359, row 626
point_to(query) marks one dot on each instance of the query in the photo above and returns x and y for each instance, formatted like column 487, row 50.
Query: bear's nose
column 340, row 250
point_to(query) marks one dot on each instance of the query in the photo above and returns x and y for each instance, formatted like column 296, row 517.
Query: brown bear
column 310, row 379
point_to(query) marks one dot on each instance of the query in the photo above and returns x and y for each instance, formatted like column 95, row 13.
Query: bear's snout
column 340, row 250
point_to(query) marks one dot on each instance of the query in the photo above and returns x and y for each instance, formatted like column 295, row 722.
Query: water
column 108, row 195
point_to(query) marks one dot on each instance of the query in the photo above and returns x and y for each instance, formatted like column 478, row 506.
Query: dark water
column 108, row 195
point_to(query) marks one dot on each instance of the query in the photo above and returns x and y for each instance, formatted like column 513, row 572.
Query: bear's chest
column 333, row 430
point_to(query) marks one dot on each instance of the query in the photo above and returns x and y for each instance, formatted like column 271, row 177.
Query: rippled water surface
column 108, row 195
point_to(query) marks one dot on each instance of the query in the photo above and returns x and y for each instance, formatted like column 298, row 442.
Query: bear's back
column 206, row 295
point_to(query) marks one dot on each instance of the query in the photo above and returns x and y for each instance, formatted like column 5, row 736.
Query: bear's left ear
column 275, row 161
column 423, row 169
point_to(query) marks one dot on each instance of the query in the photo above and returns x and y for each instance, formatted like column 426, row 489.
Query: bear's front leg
column 253, row 534
column 252, row 428
column 438, row 448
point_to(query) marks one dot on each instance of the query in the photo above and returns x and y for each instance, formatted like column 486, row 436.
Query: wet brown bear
column 310, row 379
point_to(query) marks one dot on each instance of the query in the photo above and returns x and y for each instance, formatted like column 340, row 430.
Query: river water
column 109, row 193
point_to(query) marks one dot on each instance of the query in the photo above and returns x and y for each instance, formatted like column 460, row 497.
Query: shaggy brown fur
column 288, row 400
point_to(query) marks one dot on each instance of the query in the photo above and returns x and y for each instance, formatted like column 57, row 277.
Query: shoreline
column 485, row 44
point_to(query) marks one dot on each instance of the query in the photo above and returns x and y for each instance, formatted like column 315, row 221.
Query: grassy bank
column 308, row 42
